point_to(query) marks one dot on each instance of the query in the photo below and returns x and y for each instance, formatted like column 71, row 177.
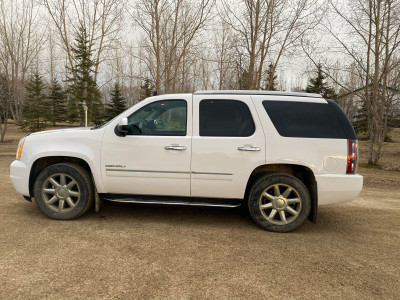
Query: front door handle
column 249, row 148
column 180, row 148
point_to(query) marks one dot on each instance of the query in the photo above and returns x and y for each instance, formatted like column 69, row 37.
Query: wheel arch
column 43, row 162
column 301, row 172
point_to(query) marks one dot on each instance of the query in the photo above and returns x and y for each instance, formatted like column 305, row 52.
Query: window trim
column 227, row 136
column 164, row 135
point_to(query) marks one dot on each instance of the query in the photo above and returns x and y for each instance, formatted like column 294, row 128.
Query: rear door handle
column 179, row 148
column 249, row 148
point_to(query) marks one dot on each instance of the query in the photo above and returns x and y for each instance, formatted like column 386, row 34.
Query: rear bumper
column 19, row 175
column 338, row 188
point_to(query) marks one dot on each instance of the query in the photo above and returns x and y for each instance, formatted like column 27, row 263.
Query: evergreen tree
column 318, row 85
column 146, row 89
column 82, row 88
column 117, row 104
column 271, row 79
column 58, row 103
column 35, row 109
column 244, row 81
column 360, row 122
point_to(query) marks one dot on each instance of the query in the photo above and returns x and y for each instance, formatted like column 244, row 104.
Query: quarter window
column 305, row 120
column 225, row 118
column 164, row 118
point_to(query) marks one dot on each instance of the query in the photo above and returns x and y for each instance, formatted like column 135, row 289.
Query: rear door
column 228, row 144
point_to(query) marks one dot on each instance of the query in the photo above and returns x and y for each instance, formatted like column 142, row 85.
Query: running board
column 166, row 200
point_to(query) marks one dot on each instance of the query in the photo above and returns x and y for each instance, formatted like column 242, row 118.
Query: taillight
column 352, row 158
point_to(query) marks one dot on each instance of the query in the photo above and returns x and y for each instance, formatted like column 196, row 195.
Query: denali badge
column 115, row 166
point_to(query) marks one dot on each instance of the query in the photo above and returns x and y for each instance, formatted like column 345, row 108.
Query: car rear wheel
column 63, row 191
column 279, row 202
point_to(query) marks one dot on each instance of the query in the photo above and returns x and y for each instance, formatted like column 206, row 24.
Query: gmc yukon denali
column 281, row 154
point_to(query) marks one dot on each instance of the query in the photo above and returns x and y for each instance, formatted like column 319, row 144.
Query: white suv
column 281, row 153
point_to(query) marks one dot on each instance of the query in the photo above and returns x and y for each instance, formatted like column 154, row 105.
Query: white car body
column 210, row 167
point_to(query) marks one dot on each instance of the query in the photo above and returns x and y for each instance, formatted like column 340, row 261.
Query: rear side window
column 225, row 118
column 302, row 119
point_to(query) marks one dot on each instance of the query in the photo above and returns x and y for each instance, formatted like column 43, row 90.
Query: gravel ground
column 134, row 251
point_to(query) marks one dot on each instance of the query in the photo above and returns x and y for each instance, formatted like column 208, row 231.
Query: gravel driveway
column 134, row 251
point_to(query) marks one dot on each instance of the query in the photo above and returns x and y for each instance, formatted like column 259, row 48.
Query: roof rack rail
column 256, row 92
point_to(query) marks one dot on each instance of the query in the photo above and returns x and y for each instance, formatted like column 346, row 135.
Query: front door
column 154, row 157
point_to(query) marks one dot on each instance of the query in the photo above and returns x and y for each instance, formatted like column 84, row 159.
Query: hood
column 64, row 130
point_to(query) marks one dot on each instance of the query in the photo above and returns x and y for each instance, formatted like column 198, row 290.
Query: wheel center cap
column 280, row 203
column 62, row 192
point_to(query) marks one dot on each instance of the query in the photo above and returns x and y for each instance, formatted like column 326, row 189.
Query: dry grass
column 13, row 135
column 390, row 157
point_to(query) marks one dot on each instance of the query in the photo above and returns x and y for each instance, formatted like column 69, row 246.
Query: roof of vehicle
column 256, row 92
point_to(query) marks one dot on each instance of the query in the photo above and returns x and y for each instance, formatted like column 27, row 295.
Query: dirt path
column 132, row 251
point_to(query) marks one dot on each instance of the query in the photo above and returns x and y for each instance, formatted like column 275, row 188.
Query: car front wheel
column 63, row 191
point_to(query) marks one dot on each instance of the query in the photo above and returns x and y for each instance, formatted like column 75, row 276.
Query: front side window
column 165, row 118
column 229, row 118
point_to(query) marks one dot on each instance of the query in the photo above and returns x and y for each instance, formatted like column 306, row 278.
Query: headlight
column 19, row 149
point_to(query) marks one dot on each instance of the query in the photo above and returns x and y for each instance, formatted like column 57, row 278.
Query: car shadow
column 173, row 214
column 330, row 219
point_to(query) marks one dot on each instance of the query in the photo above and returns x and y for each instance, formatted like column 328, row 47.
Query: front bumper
column 19, row 175
column 338, row 188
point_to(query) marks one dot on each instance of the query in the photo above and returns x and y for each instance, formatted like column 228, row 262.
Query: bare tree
column 266, row 29
column 224, row 57
column 372, row 42
column 20, row 43
column 4, row 106
column 170, row 28
column 103, row 20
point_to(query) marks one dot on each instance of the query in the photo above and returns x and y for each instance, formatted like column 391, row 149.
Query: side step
column 167, row 200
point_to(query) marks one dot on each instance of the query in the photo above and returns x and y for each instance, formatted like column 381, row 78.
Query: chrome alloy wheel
column 60, row 192
column 280, row 204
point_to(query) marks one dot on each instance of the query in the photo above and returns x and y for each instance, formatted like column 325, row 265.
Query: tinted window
column 225, row 118
column 159, row 118
column 302, row 119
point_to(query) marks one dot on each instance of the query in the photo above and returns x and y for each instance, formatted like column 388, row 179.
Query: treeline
column 48, row 104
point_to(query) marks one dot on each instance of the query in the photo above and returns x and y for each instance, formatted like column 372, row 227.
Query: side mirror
column 122, row 126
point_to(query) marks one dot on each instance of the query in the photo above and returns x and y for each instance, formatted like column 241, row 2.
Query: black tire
column 292, row 207
column 77, row 190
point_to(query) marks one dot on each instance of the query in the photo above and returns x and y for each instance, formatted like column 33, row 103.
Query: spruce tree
column 82, row 88
column 117, row 104
column 271, row 79
column 318, row 85
column 360, row 122
column 35, row 111
column 58, row 103
column 244, row 81
column 146, row 89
